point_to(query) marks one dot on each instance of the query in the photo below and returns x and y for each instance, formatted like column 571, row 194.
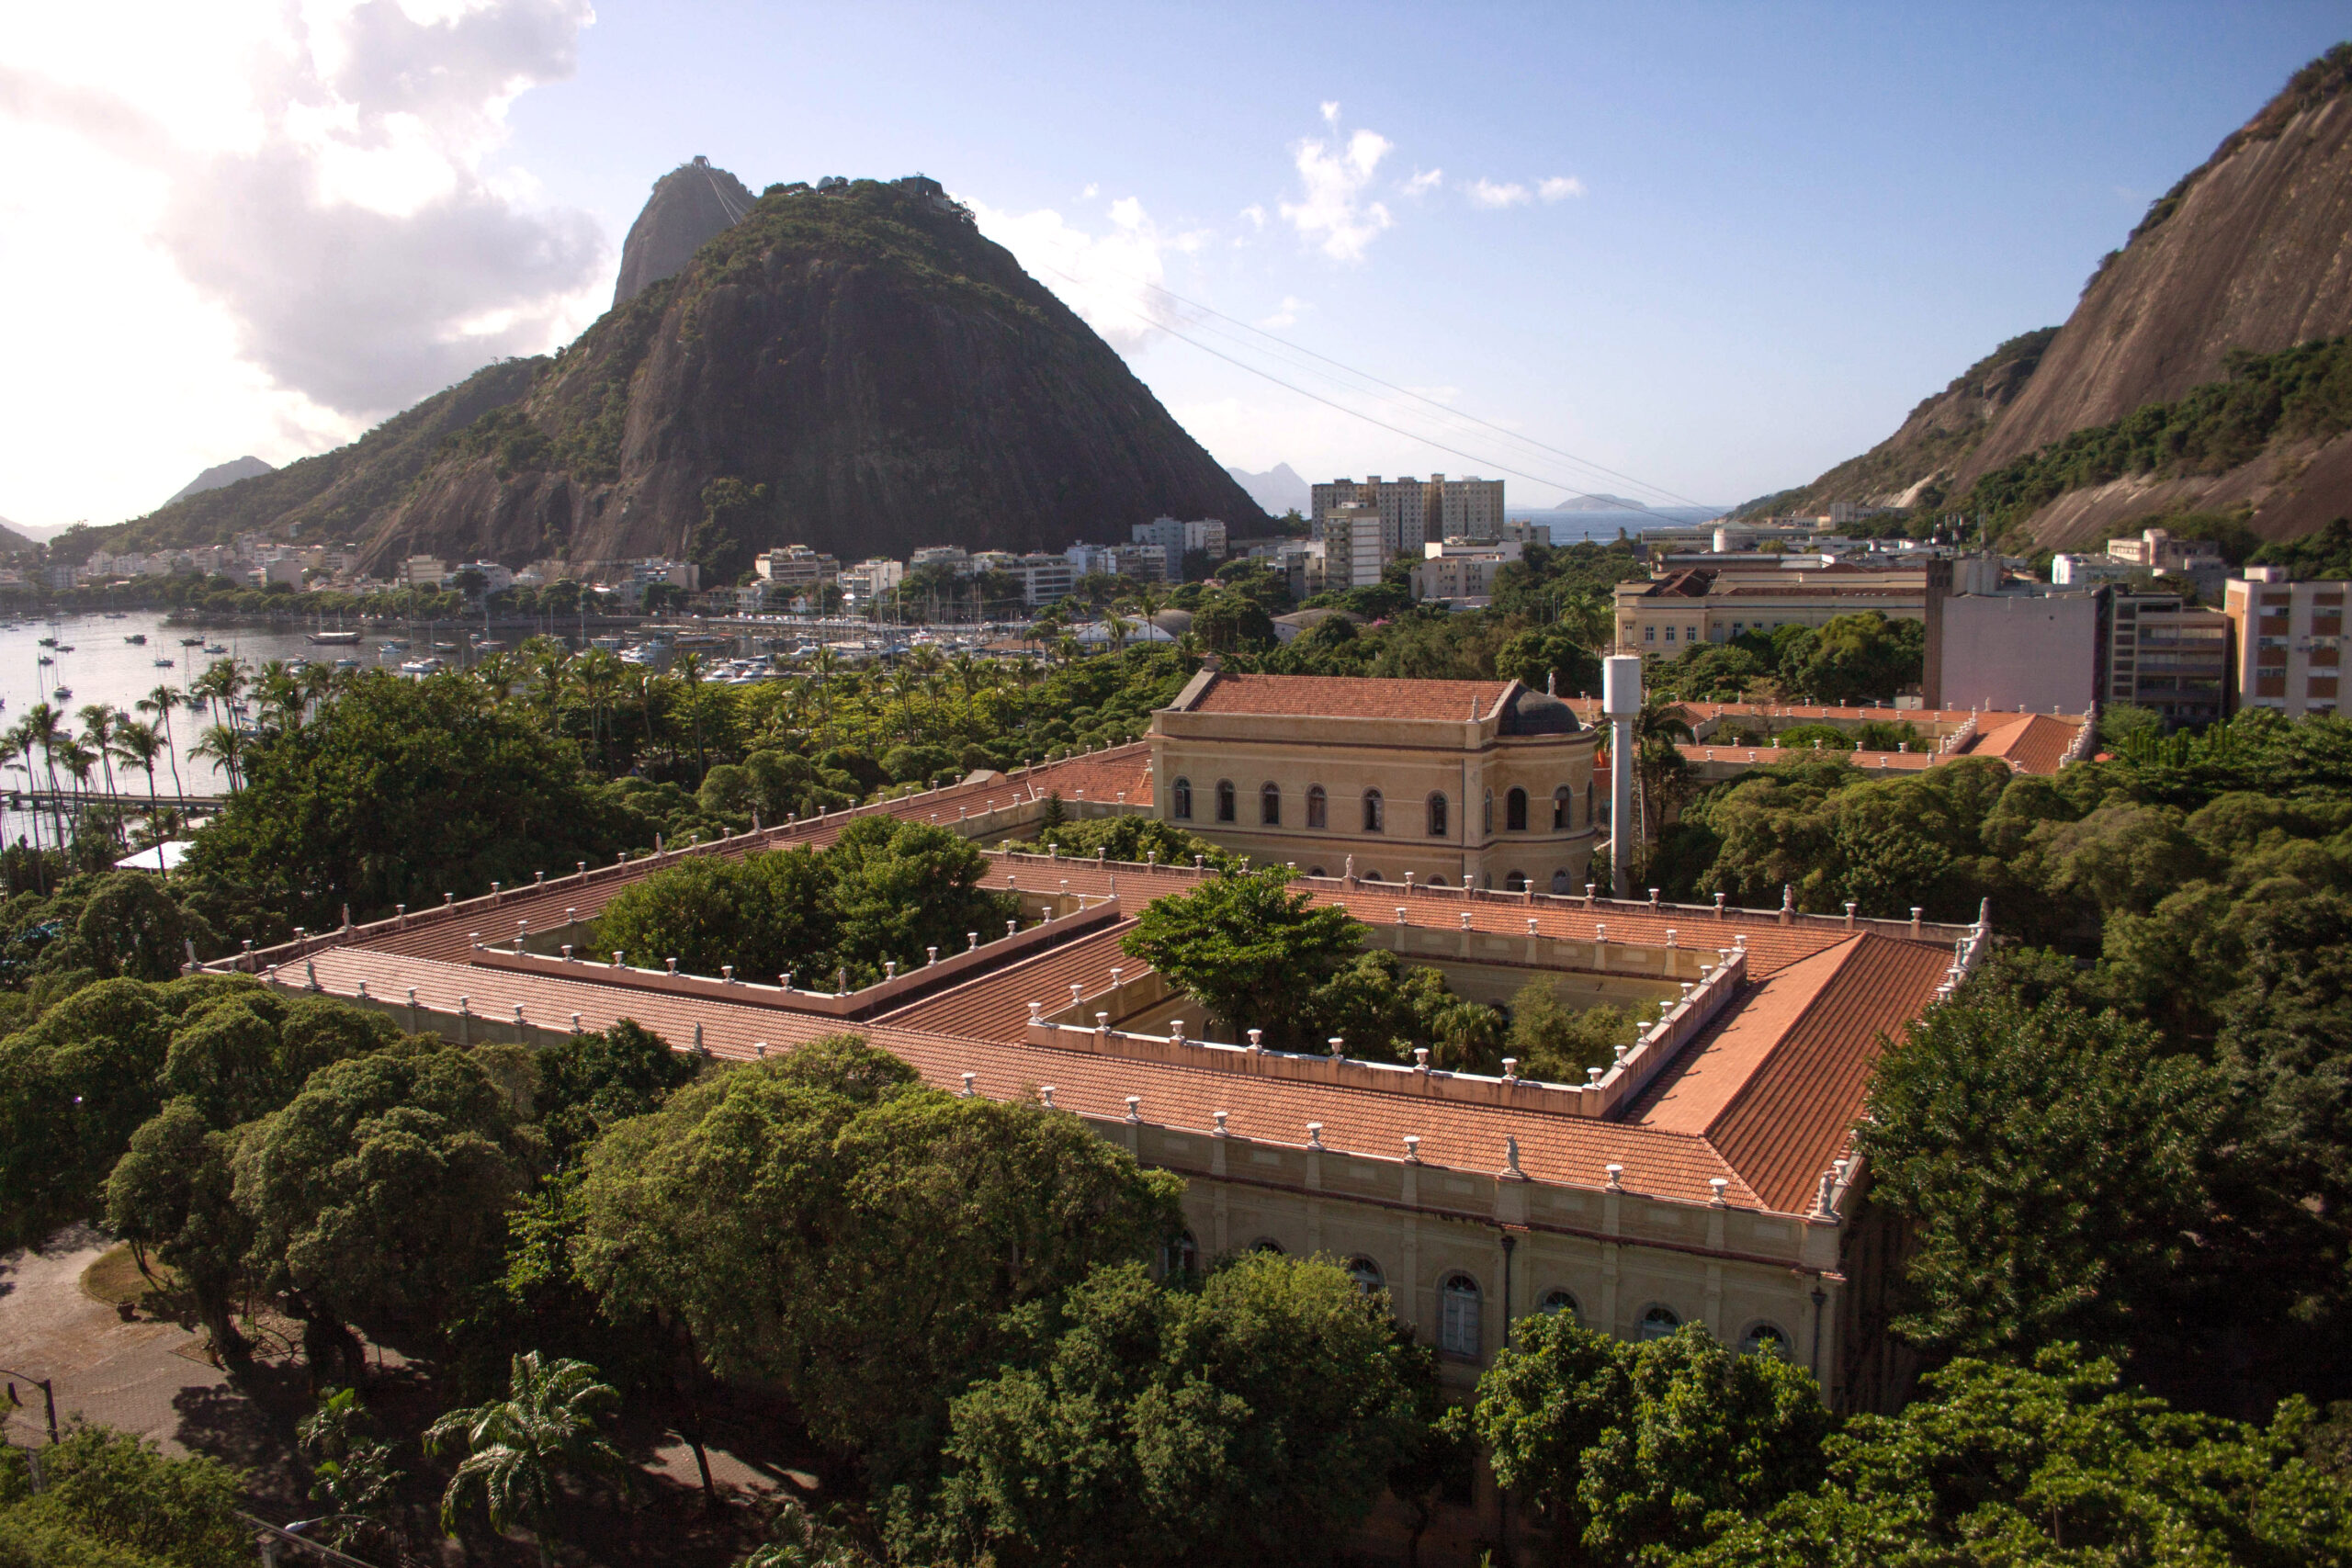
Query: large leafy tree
column 1628, row 1449
column 172, row 1192
column 397, row 792
column 112, row 1500
column 2057, row 1168
column 1247, row 947
column 2053, row 1462
column 1253, row 1421
column 380, row 1194
column 72, row 1089
column 590, row 1080
column 824, row 1222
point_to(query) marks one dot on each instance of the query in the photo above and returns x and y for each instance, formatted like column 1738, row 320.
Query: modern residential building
column 1044, row 579
column 1460, row 573
column 1483, row 784
column 2038, row 652
column 2286, row 642
column 2160, row 654
column 953, row 557
column 869, row 580
column 1414, row 512
column 1520, row 531
column 1140, row 563
column 2069, row 571
column 1354, row 538
column 422, row 571
column 495, row 578
column 796, row 566
column 2155, row 550
column 1177, row 539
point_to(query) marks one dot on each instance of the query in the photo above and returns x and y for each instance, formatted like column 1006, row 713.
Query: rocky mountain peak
column 692, row 205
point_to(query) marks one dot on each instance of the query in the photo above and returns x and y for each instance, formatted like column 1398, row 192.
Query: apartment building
column 2155, row 550
column 1045, row 578
column 1414, row 512
column 2160, row 653
column 1143, row 563
column 1354, row 538
column 1462, row 571
column 871, row 579
column 1176, row 540
column 796, row 566
column 2286, row 642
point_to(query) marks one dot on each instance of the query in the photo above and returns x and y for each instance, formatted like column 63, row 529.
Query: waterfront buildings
column 1414, row 513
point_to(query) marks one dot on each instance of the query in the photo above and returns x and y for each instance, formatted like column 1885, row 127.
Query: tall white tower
column 1621, row 700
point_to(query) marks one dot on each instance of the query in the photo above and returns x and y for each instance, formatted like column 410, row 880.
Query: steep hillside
column 2249, row 255
column 1937, row 437
column 854, row 368
column 691, row 206
column 220, row 474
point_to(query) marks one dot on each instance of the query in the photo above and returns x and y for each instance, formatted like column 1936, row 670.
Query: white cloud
column 280, row 210
column 1424, row 181
column 1109, row 278
column 1090, row 192
column 1256, row 214
column 1486, row 193
column 1285, row 315
column 1333, row 214
column 1560, row 186
column 1331, row 113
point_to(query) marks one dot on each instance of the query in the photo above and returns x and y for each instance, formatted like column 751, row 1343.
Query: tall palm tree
column 822, row 666
column 519, row 1450
column 98, row 721
column 551, row 663
column 20, row 740
column 81, row 761
column 161, row 702
column 690, row 670
column 224, row 744
column 45, row 728
column 139, row 745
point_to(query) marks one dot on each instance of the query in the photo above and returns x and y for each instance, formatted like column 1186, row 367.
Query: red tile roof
column 1344, row 697
column 2035, row 742
column 996, row 1006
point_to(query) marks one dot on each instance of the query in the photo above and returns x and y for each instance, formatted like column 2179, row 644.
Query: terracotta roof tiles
column 1344, row 697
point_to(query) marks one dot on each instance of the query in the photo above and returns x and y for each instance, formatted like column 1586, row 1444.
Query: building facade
column 796, row 566
column 1175, row 539
column 2035, row 652
column 2286, row 642
column 1354, row 544
column 1460, row 573
column 1415, row 512
column 1480, row 783
column 2160, row 654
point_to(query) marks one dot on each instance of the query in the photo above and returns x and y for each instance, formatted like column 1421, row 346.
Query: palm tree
column 222, row 743
column 690, row 670
column 81, row 761
column 45, row 728
column 519, row 1450
column 139, row 745
column 161, row 702
column 98, row 721
column 823, row 665
column 21, row 739
column 550, row 661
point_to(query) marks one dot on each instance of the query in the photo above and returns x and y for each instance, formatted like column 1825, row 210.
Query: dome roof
column 1539, row 712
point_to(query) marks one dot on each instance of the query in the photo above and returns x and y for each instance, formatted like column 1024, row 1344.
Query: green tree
column 1556, row 1042
column 172, row 1191
column 353, row 1472
column 1245, row 946
column 1629, row 1448
column 1857, row 658
column 2053, row 1462
column 520, row 1451
column 824, row 1222
column 1255, row 1420
column 112, row 1500
column 379, row 1194
column 595, row 1079
column 72, row 1089
column 2057, row 1168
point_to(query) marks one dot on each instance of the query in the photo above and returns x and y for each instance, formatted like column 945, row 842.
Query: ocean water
column 1569, row 528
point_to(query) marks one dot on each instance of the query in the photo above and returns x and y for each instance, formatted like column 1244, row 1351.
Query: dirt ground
column 149, row 1376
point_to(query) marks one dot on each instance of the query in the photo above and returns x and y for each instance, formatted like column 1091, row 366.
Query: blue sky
column 1771, row 230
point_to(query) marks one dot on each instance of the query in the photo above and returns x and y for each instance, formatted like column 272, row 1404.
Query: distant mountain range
column 1599, row 503
column 220, row 474
column 1278, row 489
column 2145, row 402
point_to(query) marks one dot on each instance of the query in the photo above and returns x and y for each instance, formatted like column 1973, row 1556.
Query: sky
column 1684, row 253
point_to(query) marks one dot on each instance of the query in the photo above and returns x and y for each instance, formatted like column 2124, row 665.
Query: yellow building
column 1481, row 783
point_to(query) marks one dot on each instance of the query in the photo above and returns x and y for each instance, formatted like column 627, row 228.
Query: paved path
column 121, row 1374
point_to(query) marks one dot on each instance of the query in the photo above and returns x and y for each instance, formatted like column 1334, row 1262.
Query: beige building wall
column 2287, row 643
column 1347, row 758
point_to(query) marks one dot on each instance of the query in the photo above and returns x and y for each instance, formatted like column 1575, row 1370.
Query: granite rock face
column 691, row 206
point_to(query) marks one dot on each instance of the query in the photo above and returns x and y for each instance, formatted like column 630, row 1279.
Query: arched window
column 1515, row 881
column 1560, row 808
column 1588, row 802
column 1367, row 1275
column 1486, row 814
column 1270, row 805
column 1515, row 811
column 1224, row 800
column 1558, row 1300
column 1371, row 876
column 1437, row 879
column 1374, row 819
column 1659, row 1322
column 1560, row 883
column 1764, row 1339
column 1180, row 799
column 1180, row 1259
column 1437, row 816
column 1267, row 1244
column 1317, row 808
column 1317, row 871
column 1458, row 1329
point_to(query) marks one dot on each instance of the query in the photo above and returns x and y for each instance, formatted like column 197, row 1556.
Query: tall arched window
column 1367, row 1275
column 1180, row 799
column 1267, row 1244
column 1224, row 800
column 1458, row 1328
column 1764, row 1339
column 1437, row 816
column 1487, row 813
column 1557, row 1301
column 1515, row 811
column 1560, row 808
column 1515, row 881
column 1270, row 805
column 1180, row 1259
column 1317, row 808
column 1588, row 803
column 1560, row 883
column 1374, row 820
column 1659, row 1322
